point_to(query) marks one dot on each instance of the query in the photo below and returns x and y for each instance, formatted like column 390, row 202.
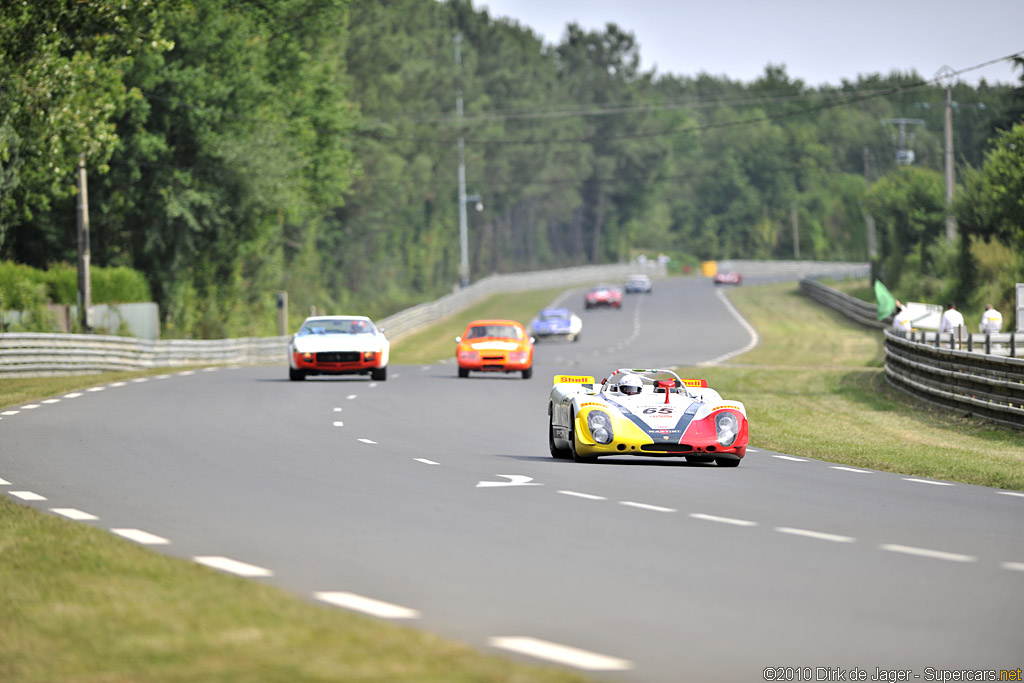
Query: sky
column 818, row 41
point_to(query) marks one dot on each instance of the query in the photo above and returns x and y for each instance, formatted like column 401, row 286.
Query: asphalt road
column 433, row 501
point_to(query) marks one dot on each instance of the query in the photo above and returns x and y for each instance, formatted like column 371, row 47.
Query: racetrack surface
column 437, row 496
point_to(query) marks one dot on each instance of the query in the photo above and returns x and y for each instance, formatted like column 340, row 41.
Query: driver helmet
column 358, row 326
column 630, row 385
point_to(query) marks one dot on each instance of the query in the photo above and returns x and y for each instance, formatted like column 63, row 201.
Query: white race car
column 338, row 345
column 651, row 413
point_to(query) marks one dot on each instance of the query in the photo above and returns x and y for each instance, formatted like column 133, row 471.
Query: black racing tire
column 528, row 372
column 379, row 374
column 463, row 372
column 727, row 462
column 556, row 452
column 296, row 375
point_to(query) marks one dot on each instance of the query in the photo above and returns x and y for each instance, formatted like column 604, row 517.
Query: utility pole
column 869, row 220
column 904, row 156
column 947, row 73
column 463, row 237
column 796, row 230
column 84, row 258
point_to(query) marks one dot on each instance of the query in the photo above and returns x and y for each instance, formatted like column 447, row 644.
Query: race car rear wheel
column 296, row 375
column 528, row 373
column 463, row 372
column 379, row 374
column 556, row 452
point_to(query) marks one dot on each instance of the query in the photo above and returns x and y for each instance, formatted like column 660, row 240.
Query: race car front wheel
column 572, row 443
column 556, row 452
column 296, row 375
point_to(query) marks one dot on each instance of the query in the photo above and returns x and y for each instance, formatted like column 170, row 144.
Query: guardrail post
column 970, row 343
column 988, row 344
column 1013, row 346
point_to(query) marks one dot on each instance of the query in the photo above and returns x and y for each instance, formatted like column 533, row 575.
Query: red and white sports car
column 338, row 345
column 603, row 295
column 728, row 277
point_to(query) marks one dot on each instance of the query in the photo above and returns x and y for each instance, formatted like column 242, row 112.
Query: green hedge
column 23, row 288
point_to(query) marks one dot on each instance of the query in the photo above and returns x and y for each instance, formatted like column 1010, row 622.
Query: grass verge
column 81, row 605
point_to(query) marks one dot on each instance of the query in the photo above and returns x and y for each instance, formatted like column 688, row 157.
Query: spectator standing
column 951, row 319
column 991, row 321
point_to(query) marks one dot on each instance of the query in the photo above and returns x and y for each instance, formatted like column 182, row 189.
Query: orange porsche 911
column 494, row 346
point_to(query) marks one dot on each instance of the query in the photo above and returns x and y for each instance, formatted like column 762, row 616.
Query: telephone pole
column 947, row 74
column 463, row 237
column 84, row 257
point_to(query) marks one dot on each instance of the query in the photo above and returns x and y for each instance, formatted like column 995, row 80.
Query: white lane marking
column 513, row 480
column 928, row 481
column 30, row 406
column 4, row 482
column 582, row 495
column 337, row 410
column 645, row 506
column 755, row 339
column 1010, row 493
column 350, row 396
column 117, row 384
column 232, row 566
column 140, row 380
column 73, row 395
column 371, row 385
column 27, row 495
column 395, row 376
column 140, row 536
column 210, row 369
column 722, row 520
column 185, row 373
column 753, row 450
column 562, row 654
column 425, row 367
column 359, row 603
column 369, row 441
column 10, row 412
column 925, row 552
column 96, row 389
column 789, row 457
column 425, row 461
column 1014, row 566
column 72, row 513
column 819, row 535
column 51, row 400
column 339, row 423
column 161, row 376
column 850, row 469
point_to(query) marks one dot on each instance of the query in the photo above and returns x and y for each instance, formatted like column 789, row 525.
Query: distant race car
column 638, row 284
column 494, row 346
column 603, row 295
column 338, row 345
column 556, row 322
column 728, row 277
column 647, row 413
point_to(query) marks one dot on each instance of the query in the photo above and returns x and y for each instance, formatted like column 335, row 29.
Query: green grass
column 78, row 604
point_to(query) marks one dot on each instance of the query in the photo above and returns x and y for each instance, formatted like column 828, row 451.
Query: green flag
column 886, row 301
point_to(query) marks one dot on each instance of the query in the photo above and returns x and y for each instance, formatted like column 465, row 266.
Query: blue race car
column 556, row 322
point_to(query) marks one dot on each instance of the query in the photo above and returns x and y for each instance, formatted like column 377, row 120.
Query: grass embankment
column 79, row 604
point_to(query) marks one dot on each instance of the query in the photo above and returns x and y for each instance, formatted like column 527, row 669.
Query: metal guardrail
column 976, row 373
column 40, row 354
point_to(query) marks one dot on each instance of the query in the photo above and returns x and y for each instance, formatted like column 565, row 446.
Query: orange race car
column 494, row 346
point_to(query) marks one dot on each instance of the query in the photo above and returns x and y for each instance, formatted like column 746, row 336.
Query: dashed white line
column 96, row 389
column 10, row 412
column 928, row 481
column 371, row 385
column 30, row 406
column 722, row 520
column 645, row 506
column 337, row 410
column 140, row 380
column 925, row 552
column 73, row 395
column 850, row 469
column 1010, row 493
column 27, row 495
column 51, row 401
column 562, row 654
column 350, row 396
column 140, row 536
column 359, row 603
column 752, row 450
column 577, row 494
column 426, row 462
column 232, row 566
column 118, row 384
column 1013, row 566
column 339, row 423
column 72, row 513
column 4, row 482
column 819, row 535
column 425, row 367
column 789, row 457
column 185, row 373
column 369, row 441
column 210, row 369
column 161, row 376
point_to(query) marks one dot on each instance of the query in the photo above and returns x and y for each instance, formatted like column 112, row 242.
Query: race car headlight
column 368, row 355
column 600, row 426
column 308, row 357
column 469, row 356
column 728, row 427
column 517, row 357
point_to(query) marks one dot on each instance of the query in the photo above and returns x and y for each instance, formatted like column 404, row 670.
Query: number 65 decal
column 659, row 411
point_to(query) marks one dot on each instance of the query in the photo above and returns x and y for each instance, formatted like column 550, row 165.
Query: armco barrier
column 972, row 373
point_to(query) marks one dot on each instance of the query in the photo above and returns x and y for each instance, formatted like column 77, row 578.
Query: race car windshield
column 552, row 316
column 337, row 327
column 478, row 331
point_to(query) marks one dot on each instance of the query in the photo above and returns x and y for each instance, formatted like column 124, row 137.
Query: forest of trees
column 236, row 148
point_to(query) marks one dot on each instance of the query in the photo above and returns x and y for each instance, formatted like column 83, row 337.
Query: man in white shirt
column 991, row 321
column 951, row 319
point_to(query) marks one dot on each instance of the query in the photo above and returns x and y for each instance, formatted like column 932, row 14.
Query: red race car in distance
column 607, row 296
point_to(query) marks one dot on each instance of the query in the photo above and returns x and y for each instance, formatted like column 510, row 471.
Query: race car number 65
column 788, row 673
